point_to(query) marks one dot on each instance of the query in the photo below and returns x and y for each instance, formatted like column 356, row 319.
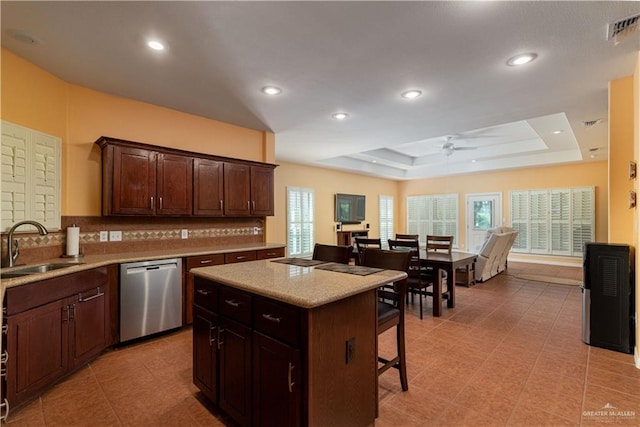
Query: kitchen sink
column 34, row 269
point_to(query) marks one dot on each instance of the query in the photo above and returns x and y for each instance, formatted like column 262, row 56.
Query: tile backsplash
column 138, row 234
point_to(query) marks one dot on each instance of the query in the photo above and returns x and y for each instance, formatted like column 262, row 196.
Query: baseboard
column 551, row 261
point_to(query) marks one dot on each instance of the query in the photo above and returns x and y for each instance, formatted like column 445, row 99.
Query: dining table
column 448, row 262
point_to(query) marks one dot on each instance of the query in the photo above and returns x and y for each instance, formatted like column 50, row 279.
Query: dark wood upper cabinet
column 133, row 182
column 142, row 179
column 237, row 190
column 208, row 187
column 175, row 181
column 261, row 191
column 248, row 190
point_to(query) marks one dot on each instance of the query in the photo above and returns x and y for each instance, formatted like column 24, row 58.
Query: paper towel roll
column 73, row 240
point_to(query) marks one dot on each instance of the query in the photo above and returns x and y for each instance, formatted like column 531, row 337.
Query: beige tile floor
column 509, row 354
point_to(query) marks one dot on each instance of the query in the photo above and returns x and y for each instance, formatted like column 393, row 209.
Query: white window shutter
column 300, row 221
column 386, row 219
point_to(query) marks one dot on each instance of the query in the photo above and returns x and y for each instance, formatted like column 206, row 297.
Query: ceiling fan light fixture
column 339, row 116
column 411, row 94
column 522, row 59
column 271, row 90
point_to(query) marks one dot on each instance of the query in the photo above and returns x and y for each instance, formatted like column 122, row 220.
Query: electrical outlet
column 256, row 230
column 115, row 236
column 184, row 234
column 104, row 236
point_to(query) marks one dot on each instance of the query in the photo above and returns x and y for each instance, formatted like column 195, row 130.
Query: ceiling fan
column 449, row 147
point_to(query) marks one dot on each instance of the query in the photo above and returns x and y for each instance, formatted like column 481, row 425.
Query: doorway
column 484, row 211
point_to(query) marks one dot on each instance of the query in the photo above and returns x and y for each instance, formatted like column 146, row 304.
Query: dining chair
column 439, row 243
column 363, row 243
column 407, row 236
column 332, row 253
column 391, row 306
column 418, row 282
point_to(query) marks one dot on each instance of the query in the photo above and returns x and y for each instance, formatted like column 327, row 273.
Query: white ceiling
column 355, row 57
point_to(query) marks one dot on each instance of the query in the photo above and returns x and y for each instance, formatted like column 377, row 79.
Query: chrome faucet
column 12, row 246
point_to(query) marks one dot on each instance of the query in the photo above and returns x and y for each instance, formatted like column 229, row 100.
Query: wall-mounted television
column 350, row 208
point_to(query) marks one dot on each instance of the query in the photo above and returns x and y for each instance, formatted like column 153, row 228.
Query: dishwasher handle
column 145, row 268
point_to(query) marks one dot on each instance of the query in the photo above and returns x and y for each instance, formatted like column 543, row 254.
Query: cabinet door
column 208, row 189
column 87, row 326
column 235, row 371
column 276, row 385
column 205, row 352
column 134, row 181
column 175, row 184
column 261, row 191
column 37, row 344
column 237, row 189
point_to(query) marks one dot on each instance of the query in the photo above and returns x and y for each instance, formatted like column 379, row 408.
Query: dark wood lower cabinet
column 235, row 370
column 276, row 387
column 53, row 327
column 205, row 352
column 282, row 365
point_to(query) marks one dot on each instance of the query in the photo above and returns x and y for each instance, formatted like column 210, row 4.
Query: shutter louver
column 300, row 222
column 386, row 219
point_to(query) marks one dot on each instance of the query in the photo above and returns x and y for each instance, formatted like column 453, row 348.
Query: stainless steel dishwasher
column 150, row 297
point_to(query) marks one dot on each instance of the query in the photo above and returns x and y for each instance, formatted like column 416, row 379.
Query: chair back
column 440, row 243
column 390, row 260
column 363, row 243
column 413, row 247
column 407, row 236
column 332, row 253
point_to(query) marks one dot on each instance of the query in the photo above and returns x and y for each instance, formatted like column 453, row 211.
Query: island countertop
column 305, row 287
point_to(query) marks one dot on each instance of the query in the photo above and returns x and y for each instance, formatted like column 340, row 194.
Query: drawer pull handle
column 232, row 303
column 220, row 342
column 291, row 383
column 203, row 292
column 4, row 357
column 206, row 261
column 212, row 339
column 271, row 317
column 241, row 257
column 220, row 204
column 97, row 295
column 151, row 202
column 4, row 405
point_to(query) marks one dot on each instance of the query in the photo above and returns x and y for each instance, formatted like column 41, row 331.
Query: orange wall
column 621, row 152
column 34, row 98
column 575, row 175
column 326, row 183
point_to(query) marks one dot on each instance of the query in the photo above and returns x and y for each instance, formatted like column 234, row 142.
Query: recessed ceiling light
column 339, row 116
column 557, row 132
column 271, row 90
column 155, row 45
column 374, row 161
column 521, row 59
column 473, row 161
column 411, row 94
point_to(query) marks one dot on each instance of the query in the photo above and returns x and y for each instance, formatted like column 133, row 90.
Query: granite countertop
column 305, row 287
column 94, row 261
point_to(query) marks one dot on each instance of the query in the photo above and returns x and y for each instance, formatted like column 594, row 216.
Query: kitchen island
column 283, row 344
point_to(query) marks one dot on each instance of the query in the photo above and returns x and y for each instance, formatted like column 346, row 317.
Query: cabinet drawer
column 205, row 294
column 235, row 305
column 277, row 320
column 270, row 253
column 204, row 260
column 239, row 257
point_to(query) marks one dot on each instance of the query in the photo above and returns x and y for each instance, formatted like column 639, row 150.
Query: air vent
column 623, row 28
column 591, row 123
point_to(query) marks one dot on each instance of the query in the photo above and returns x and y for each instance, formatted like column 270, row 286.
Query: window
column 300, row 227
column 435, row 215
column 555, row 222
column 386, row 219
